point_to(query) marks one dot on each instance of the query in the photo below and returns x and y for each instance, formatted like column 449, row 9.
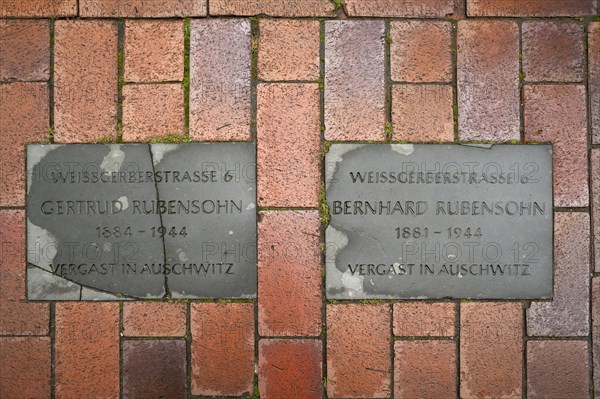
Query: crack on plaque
column 167, row 291
column 362, row 233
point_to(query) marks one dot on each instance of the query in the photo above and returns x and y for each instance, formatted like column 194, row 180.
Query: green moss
column 104, row 140
column 339, row 4
column 324, row 214
column 256, row 393
column 389, row 131
column 321, row 83
column 51, row 134
column 388, row 38
column 325, row 147
column 170, row 138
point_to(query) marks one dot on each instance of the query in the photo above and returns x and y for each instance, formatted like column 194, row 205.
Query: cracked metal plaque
column 135, row 221
column 439, row 221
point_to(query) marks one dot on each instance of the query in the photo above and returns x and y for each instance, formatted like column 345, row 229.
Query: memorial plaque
column 131, row 221
column 439, row 221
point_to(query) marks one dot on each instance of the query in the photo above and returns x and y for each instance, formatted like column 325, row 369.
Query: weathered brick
column 85, row 80
column 222, row 349
column 557, row 114
column 491, row 345
column 87, row 346
column 23, row 119
column 289, row 273
column 400, row 8
column 287, row 368
column 552, row 51
column 531, row 8
column 38, row 8
column 17, row 317
column 557, row 370
column 422, row 113
column 288, row 49
column 289, row 140
column 153, row 51
column 425, row 369
column 154, row 369
column 594, row 78
column 596, row 205
column 220, row 63
column 154, row 319
column 358, row 351
column 354, row 80
column 424, row 319
column 420, row 51
column 596, row 329
column 296, row 8
column 142, row 8
column 24, row 368
column 488, row 80
column 567, row 314
column 24, row 50
column 152, row 110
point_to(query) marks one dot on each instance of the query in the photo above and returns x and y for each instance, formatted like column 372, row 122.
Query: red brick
column 567, row 314
column 154, row 319
column 24, row 119
column 288, row 49
column 425, row 369
column 358, row 351
column 557, row 114
column 220, row 63
column 85, row 80
column 491, row 345
column 400, row 8
column 552, row 51
column 354, row 80
column 289, row 273
column 296, row 8
column 422, row 113
column 596, row 329
column 222, row 349
column 531, row 8
column 557, row 370
column 594, row 78
column 488, row 80
column 596, row 205
column 287, row 368
column 152, row 110
column 142, row 8
column 154, row 369
column 24, row 50
column 17, row 317
column 424, row 319
column 38, row 8
column 289, row 141
column 87, row 350
column 24, row 368
column 420, row 51
column 153, row 51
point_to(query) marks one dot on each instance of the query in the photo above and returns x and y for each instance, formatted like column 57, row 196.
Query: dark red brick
column 220, row 63
column 557, row 114
column 400, row 8
column 24, row 368
column 425, row 369
column 531, row 8
column 488, row 80
column 24, row 50
column 142, row 8
column 296, row 8
column 557, row 370
column 154, row 369
column 567, row 313
column 552, row 51
column 491, row 350
column 23, row 119
column 354, row 80
column 596, row 205
column 87, row 350
column 289, row 145
column 289, row 368
column 596, row 329
column 424, row 319
column 85, row 80
column 358, row 351
column 38, row 8
column 594, row 78
column 222, row 349
column 289, row 273
column 154, row 319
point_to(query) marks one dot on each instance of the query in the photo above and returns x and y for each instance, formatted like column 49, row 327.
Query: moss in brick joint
column 170, row 138
column 339, row 4
column 186, row 73
column 254, row 46
column 324, row 214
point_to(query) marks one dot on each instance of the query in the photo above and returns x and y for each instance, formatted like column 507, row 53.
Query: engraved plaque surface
column 439, row 221
column 131, row 221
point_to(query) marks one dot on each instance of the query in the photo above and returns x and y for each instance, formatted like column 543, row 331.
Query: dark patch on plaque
column 439, row 221
column 134, row 221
